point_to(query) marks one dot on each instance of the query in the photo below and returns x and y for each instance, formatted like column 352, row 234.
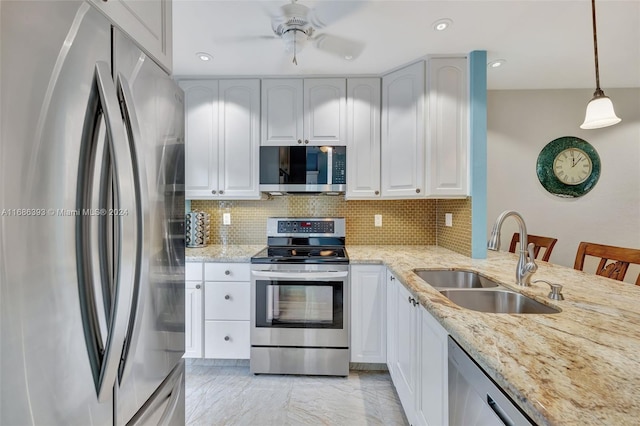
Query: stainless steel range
column 300, row 299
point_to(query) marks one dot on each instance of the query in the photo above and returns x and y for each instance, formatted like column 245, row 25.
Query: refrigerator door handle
column 105, row 359
column 132, row 126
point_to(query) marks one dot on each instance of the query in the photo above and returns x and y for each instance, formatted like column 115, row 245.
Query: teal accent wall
column 478, row 139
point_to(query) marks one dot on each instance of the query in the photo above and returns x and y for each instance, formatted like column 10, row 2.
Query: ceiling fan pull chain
column 295, row 61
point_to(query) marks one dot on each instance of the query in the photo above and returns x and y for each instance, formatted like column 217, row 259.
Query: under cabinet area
column 222, row 138
column 304, row 111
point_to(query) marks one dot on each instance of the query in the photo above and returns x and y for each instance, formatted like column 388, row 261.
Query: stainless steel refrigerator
column 91, row 223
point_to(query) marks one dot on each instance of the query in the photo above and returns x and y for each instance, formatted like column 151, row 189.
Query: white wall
column 520, row 124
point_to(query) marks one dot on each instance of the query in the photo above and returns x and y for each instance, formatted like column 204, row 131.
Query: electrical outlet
column 448, row 219
column 377, row 220
column 226, row 218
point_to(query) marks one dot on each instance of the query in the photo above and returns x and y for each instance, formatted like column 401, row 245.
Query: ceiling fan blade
column 325, row 14
column 339, row 46
column 247, row 38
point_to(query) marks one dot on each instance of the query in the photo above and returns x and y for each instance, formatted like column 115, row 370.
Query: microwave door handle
column 320, row 275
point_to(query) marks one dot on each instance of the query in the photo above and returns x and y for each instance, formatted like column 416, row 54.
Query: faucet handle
column 556, row 290
column 530, row 249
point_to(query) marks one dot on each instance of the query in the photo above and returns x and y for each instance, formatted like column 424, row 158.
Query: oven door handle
column 320, row 275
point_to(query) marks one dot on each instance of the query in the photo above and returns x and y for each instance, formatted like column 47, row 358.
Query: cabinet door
column 193, row 320
column 239, row 139
column 406, row 368
column 148, row 23
column 392, row 338
column 447, row 135
column 227, row 301
column 201, row 138
column 282, row 112
column 325, row 111
column 403, row 157
column 363, row 138
column 368, row 313
column 432, row 402
column 227, row 339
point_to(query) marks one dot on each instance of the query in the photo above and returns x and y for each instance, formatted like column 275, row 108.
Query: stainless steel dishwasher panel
column 474, row 399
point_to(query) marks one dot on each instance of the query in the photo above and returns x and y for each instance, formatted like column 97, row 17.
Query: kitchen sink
column 454, row 278
column 497, row 301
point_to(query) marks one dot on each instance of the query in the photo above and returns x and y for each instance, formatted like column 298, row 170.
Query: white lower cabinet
column 226, row 310
column 193, row 310
column 416, row 357
column 368, row 314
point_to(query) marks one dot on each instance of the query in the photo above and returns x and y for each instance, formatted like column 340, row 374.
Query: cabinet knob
column 221, row 192
column 214, row 192
column 377, row 192
column 227, row 297
column 417, row 190
column 227, row 338
column 198, row 286
column 299, row 140
column 227, row 272
column 306, row 141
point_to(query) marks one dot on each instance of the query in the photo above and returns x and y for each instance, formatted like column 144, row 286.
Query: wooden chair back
column 538, row 241
column 614, row 261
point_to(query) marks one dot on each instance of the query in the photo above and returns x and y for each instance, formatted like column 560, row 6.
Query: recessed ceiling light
column 204, row 56
column 497, row 63
column 348, row 57
column 442, row 24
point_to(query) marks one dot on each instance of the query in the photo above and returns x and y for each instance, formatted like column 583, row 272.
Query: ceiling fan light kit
column 600, row 112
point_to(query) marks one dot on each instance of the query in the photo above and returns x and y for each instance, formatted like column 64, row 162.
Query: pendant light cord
column 599, row 91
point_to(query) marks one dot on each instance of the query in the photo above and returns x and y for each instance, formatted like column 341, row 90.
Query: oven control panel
column 306, row 226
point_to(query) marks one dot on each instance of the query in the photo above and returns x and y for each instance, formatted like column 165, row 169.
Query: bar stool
column 620, row 258
column 538, row 242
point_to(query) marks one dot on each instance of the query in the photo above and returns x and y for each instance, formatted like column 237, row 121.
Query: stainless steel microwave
column 303, row 169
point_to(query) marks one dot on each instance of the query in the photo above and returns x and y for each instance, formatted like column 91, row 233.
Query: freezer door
column 153, row 114
column 49, row 85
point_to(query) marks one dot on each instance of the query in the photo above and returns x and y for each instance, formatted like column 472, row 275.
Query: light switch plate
column 448, row 219
column 226, row 218
column 377, row 220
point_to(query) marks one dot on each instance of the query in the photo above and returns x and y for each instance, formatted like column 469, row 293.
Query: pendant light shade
column 600, row 111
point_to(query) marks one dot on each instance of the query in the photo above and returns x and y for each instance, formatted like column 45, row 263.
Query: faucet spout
column 526, row 260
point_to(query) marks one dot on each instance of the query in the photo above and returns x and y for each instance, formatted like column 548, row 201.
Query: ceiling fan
column 296, row 24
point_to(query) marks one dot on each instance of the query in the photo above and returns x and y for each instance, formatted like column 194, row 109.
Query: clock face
column 572, row 166
column 568, row 167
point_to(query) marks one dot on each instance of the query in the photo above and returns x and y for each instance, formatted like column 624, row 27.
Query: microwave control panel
column 306, row 226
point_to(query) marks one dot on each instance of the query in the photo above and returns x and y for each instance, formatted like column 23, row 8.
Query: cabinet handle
column 306, row 141
column 227, row 297
column 214, row 192
column 198, row 286
column 417, row 190
column 299, row 141
column 393, row 278
column 227, row 338
column 227, row 272
column 410, row 299
column 221, row 192
column 377, row 192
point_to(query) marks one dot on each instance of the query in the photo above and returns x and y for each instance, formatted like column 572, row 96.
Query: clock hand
column 579, row 160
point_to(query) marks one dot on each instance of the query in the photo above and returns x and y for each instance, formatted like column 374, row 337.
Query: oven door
column 300, row 305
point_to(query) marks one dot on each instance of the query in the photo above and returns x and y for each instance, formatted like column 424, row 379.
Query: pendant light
column 600, row 111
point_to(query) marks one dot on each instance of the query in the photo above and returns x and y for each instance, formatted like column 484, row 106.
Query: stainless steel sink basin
column 497, row 302
column 447, row 278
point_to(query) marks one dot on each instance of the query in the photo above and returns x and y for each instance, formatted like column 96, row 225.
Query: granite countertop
column 579, row 366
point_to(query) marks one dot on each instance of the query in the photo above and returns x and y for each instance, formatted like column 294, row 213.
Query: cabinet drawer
column 193, row 271
column 227, row 339
column 227, row 272
column 227, row 301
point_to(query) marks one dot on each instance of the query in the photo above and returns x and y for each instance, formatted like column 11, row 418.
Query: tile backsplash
column 410, row 222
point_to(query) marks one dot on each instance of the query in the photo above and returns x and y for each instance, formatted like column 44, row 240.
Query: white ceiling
column 546, row 44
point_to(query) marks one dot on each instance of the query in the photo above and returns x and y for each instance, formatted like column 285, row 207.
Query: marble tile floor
column 230, row 396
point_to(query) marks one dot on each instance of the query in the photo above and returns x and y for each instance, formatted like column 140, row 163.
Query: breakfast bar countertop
column 580, row 366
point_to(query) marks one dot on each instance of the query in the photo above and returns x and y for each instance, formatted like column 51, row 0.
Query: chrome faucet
column 526, row 261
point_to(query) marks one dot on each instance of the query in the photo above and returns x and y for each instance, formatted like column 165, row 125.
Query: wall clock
column 568, row 167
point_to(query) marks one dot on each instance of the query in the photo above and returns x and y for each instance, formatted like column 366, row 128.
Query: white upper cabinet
column 147, row 22
column 222, row 138
column 304, row 111
column 403, row 135
column 363, row 136
column 447, row 129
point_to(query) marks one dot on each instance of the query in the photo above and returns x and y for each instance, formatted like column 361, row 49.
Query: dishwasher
column 474, row 399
